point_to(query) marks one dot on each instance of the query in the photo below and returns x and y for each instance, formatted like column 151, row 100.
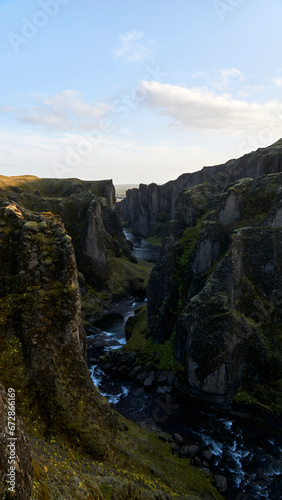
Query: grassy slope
column 137, row 465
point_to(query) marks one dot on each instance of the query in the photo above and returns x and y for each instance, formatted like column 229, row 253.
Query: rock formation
column 40, row 306
column 70, row 443
column 217, row 288
column 87, row 211
column 148, row 208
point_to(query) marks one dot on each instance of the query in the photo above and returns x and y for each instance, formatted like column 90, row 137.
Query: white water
column 237, row 455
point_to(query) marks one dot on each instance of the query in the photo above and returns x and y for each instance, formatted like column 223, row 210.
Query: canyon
column 210, row 328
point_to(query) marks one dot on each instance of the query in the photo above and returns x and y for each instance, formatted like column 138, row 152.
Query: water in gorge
column 245, row 450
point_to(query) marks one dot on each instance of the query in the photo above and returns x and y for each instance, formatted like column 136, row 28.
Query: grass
column 48, row 187
column 154, row 240
column 263, row 397
column 141, row 465
column 138, row 464
column 163, row 353
column 189, row 240
column 128, row 277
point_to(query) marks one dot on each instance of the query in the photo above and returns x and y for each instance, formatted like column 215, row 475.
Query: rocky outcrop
column 217, row 289
column 55, row 188
column 80, row 448
column 40, row 306
column 88, row 213
column 148, row 208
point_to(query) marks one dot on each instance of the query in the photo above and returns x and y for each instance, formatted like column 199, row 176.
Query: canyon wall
column 41, row 314
column 217, row 289
column 87, row 209
column 148, row 208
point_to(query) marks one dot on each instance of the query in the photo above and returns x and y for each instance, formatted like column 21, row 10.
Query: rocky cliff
column 148, row 208
column 40, row 308
column 69, row 442
column 87, row 211
column 217, row 288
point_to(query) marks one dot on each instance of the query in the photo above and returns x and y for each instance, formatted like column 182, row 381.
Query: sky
column 136, row 91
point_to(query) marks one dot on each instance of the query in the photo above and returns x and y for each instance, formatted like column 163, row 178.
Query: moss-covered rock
column 218, row 286
column 87, row 210
column 40, row 304
column 79, row 447
column 149, row 208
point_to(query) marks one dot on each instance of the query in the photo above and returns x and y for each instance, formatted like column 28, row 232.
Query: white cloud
column 133, row 47
column 250, row 90
column 63, row 111
column 6, row 109
column 201, row 109
column 70, row 100
column 34, row 153
column 233, row 72
column 278, row 82
column 226, row 78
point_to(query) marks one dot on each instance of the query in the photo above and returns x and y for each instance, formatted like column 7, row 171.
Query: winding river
column 246, row 450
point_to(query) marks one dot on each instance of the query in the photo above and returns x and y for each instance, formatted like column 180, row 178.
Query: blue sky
column 136, row 91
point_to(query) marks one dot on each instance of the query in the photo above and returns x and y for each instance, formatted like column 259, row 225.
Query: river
column 141, row 248
column 245, row 450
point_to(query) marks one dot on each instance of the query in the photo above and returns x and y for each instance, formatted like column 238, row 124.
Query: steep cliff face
column 56, row 188
column 70, row 444
column 217, row 290
column 40, row 308
column 87, row 210
column 146, row 209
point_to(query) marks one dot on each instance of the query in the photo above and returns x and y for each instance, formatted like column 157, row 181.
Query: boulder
column 220, row 483
column 192, row 450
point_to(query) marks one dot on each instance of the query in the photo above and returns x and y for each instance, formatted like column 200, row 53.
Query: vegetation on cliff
column 218, row 287
column 71, row 443
column 149, row 209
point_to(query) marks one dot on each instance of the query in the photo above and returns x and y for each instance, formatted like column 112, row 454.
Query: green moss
column 258, row 203
column 31, row 226
column 264, row 397
column 14, row 374
column 138, row 466
column 154, row 240
column 7, row 308
column 11, row 362
column 127, row 276
column 189, row 240
column 92, row 302
column 138, row 341
column 141, row 466
column 49, row 187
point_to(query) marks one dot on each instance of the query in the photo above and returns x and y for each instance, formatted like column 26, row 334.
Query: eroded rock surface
column 149, row 207
column 40, row 305
column 217, row 289
column 88, row 212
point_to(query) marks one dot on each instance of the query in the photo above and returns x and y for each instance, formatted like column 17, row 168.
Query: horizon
column 132, row 185
column 136, row 93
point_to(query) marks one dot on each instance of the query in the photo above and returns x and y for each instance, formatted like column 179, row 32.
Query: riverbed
column 245, row 450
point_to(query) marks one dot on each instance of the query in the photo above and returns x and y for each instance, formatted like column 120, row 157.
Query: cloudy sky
column 136, row 91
